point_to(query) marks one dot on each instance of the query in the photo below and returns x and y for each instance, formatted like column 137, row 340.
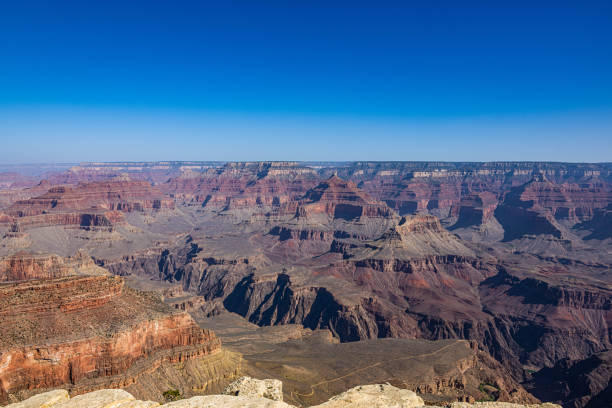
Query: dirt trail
column 312, row 387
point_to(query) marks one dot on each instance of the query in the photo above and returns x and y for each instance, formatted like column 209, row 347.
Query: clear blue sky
column 305, row 80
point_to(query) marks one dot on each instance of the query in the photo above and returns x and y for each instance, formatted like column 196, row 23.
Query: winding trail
column 350, row 373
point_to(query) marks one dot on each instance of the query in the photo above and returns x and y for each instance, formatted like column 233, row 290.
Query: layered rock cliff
column 96, row 204
column 24, row 266
column 87, row 332
column 243, row 185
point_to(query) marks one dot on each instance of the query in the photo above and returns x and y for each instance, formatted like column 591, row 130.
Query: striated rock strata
column 25, row 266
column 96, row 204
column 88, row 332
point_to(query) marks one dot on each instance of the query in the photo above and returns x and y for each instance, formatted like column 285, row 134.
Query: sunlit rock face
column 85, row 331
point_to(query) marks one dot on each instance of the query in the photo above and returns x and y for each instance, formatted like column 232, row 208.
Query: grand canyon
column 305, row 204
column 459, row 281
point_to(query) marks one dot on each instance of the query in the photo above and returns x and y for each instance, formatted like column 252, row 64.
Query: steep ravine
column 482, row 303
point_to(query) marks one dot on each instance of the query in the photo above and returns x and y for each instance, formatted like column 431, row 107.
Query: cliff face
column 333, row 210
column 467, row 194
column 26, row 266
column 97, row 204
column 243, row 185
column 30, row 266
column 527, row 199
column 152, row 172
column 341, row 199
column 75, row 219
column 121, row 195
column 88, row 332
column 577, row 383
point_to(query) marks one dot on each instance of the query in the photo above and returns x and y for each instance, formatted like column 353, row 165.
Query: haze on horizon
column 475, row 81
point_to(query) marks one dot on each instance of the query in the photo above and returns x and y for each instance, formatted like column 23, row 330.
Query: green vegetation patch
column 172, row 395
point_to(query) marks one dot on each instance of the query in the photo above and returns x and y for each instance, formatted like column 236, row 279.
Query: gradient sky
column 305, row 80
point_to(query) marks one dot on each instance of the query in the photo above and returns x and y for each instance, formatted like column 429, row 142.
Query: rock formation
column 249, row 387
column 85, row 332
column 375, row 396
column 97, row 204
column 25, row 266
column 238, row 186
column 365, row 396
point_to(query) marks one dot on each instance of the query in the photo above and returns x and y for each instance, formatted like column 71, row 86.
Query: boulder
column 44, row 400
column 374, row 396
column 251, row 387
column 226, row 401
column 106, row 399
column 500, row 405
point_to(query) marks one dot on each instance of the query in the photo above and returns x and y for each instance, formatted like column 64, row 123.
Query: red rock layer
column 84, row 220
column 85, row 333
column 14, row 193
column 571, row 201
column 117, row 195
column 338, row 198
column 244, row 185
column 29, row 266
column 469, row 192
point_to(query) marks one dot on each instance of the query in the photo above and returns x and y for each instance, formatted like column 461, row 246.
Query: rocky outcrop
column 364, row 396
column 250, row 387
column 15, row 192
column 44, row 400
column 375, row 396
column 98, row 399
column 228, row 401
column 25, row 266
column 325, row 217
column 88, row 332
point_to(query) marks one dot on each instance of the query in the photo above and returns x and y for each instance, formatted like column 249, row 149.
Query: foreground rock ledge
column 247, row 393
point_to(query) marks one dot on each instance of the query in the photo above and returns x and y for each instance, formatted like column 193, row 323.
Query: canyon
column 508, row 264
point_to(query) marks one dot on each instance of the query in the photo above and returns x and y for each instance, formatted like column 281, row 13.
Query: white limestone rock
column 226, row 401
column 501, row 405
column 251, row 387
column 100, row 399
column 138, row 404
column 44, row 400
column 374, row 396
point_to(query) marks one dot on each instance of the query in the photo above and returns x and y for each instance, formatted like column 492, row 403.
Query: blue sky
column 315, row 80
